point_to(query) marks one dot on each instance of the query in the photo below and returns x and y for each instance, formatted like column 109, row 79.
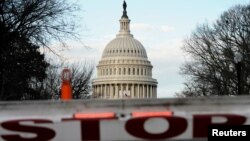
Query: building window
column 133, row 71
column 128, row 71
column 110, row 71
column 124, row 71
column 137, row 71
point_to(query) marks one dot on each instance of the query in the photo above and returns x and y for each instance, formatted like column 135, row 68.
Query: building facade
column 124, row 70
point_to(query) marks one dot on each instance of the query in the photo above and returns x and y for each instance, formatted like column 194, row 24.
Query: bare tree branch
column 212, row 71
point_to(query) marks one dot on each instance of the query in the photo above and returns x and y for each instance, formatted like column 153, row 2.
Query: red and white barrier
column 174, row 119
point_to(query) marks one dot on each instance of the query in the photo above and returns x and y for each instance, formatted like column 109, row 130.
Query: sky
column 160, row 25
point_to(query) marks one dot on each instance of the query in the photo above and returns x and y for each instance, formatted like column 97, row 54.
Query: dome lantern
column 124, row 23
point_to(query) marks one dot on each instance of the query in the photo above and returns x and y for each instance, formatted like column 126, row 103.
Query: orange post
column 66, row 89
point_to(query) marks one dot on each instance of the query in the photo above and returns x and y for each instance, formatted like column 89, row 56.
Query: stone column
column 138, row 94
column 116, row 91
column 95, row 94
column 105, row 91
column 155, row 91
column 96, row 91
column 153, row 88
column 101, row 91
column 120, row 96
column 108, row 91
column 143, row 91
column 132, row 91
column 98, row 87
column 147, row 91
column 127, row 85
column 151, row 91
column 111, row 91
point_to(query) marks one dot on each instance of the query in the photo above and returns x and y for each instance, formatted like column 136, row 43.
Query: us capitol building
column 124, row 70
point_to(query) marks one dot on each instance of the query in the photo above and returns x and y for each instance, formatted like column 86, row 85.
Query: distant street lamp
column 238, row 60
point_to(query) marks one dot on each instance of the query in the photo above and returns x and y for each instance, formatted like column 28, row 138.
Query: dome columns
column 124, row 90
column 125, row 70
column 124, row 28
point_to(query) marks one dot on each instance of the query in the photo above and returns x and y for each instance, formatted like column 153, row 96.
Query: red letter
column 201, row 123
column 177, row 125
column 43, row 134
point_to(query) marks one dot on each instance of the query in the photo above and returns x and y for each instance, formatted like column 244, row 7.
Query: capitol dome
column 124, row 70
column 124, row 46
